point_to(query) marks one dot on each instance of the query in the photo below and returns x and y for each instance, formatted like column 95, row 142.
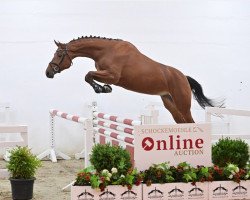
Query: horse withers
column 120, row 63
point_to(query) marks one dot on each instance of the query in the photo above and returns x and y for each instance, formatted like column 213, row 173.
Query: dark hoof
column 107, row 89
column 98, row 88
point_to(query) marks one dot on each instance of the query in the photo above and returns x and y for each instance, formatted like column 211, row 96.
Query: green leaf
column 95, row 181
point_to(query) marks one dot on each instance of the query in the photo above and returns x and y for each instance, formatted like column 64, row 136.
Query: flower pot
column 112, row 192
column 175, row 191
column 224, row 190
column 22, row 188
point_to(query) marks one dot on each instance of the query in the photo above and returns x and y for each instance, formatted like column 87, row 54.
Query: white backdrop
column 208, row 40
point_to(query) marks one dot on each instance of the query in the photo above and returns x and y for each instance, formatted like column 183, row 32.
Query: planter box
column 229, row 190
column 217, row 190
column 112, row 192
column 175, row 191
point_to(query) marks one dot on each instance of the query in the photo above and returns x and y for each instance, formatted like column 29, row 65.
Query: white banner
column 155, row 144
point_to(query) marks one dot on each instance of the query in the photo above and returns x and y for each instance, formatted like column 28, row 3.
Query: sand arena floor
column 50, row 180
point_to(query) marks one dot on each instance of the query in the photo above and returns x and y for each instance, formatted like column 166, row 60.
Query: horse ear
column 57, row 43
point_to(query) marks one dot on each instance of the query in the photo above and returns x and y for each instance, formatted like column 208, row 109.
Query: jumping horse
column 120, row 63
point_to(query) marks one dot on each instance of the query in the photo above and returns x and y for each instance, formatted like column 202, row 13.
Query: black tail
column 200, row 97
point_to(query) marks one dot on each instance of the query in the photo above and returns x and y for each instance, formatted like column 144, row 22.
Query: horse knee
column 88, row 77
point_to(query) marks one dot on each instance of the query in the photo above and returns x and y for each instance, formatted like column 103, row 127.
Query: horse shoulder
column 111, row 68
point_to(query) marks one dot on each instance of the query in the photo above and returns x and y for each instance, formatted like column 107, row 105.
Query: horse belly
column 153, row 85
column 144, row 75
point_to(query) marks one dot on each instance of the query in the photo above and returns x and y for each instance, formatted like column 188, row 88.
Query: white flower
column 114, row 170
column 107, row 179
column 232, row 172
column 109, row 175
column 122, row 176
column 105, row 171
column 231, row 165
column 237, row 169
column 160, row 167
column 231, row 176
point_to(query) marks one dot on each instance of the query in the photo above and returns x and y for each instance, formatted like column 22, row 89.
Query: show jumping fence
column 52, row 152
column 23, row 130
column 105, row 128
column 6, row 142
column 220, row 112
column 118, row 130
column 115, row 130
column 102, row 128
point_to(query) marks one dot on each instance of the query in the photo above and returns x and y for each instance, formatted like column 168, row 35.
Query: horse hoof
column 98, row 88
column 107, row 89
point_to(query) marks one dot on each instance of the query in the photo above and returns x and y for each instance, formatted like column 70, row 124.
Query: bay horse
column 120, row 63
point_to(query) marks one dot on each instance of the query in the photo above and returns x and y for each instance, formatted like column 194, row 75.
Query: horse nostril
column 49, row 74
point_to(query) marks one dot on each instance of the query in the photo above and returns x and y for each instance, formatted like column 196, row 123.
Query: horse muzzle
column 49, row 73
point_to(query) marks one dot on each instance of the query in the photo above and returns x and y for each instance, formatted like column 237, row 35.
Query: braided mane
column 93, row 37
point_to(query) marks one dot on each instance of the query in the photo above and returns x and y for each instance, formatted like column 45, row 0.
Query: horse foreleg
column 100, row 76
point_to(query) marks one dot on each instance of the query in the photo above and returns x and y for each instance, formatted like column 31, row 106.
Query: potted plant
column 22, row 167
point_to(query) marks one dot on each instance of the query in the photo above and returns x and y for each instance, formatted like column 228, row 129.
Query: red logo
column 148, row 144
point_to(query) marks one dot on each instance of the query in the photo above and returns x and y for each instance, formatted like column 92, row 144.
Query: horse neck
column 91, row 48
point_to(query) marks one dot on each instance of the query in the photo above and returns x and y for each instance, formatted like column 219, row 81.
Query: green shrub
column 108, row 157
column 158, row 173
column 23, row 164
column 227, row 150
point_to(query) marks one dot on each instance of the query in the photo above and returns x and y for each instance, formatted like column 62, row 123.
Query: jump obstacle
column 7, row 128
column 117, row 130
column 104, row 128
column 101, row 128
column 52, row 152
column 219, row 112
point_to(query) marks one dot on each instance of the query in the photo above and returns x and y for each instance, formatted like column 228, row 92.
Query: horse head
column 62, row 60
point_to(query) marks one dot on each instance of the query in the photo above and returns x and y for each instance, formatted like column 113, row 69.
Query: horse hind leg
column 179, row 116
column 188, row 117
column 171, row 107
